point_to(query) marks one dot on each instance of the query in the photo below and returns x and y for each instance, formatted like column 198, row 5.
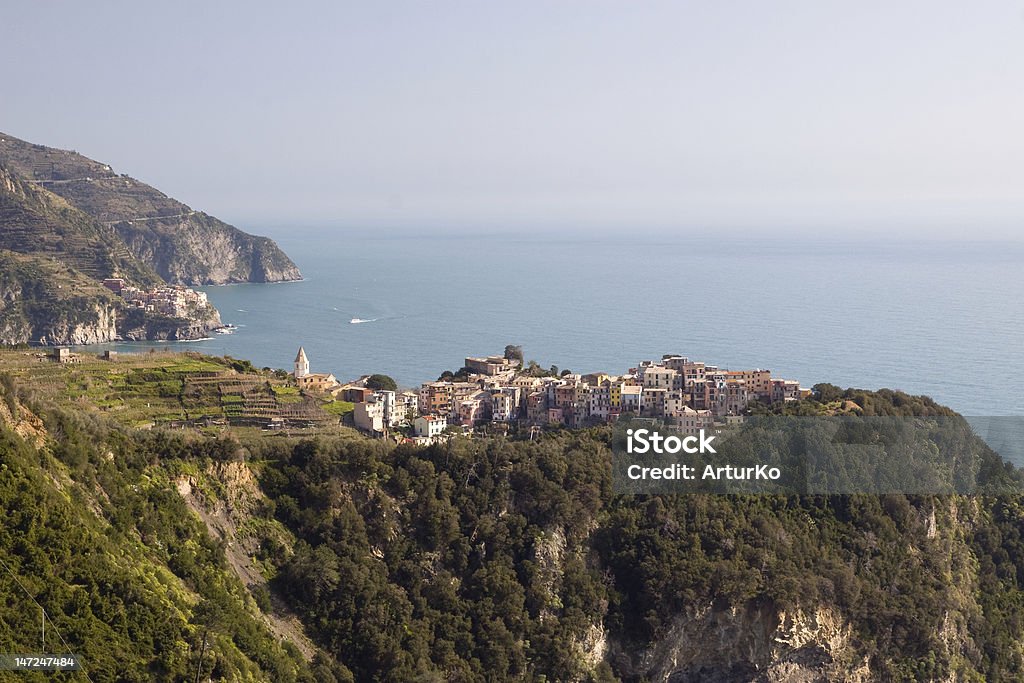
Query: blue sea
column 944, row 319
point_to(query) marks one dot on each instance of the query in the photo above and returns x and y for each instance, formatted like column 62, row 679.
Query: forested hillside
column 342, row 558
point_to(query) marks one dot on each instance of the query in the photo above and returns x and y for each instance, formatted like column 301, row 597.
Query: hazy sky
column 892, row 117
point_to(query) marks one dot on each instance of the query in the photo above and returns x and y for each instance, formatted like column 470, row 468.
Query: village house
column 474, row 409
column 692, row 421
column 430, row 426
column 444, row 398
column 407, row 405
column 505, row 404
column 351, row 393
column 369, row 416
column 630, row 398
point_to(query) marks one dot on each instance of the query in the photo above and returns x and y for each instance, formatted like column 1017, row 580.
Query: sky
column 873, row 118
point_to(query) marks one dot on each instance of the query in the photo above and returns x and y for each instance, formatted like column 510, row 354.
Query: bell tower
column 301, row 364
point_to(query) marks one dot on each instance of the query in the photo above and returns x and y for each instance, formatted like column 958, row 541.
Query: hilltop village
column 174, row 301
column 499, row 391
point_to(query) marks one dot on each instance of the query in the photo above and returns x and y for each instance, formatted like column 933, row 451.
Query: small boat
column 356, row 321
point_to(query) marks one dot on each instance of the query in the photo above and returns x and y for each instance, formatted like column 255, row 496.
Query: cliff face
column 93, row 323
column 184, row 246
column 198, row 249
column 135, row 325
column 96, row 323
column 754, row 643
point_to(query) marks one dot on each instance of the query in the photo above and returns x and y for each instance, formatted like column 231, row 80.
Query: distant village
column 170, row 300
column 498, row 391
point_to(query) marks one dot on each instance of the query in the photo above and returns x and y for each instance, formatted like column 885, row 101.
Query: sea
column 941, row 318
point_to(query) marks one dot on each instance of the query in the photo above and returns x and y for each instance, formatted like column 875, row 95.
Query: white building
column 369, row 416
column 430, row 425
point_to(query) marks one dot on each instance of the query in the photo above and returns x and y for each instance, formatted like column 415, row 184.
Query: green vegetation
column 140, row 390
column 95, row 532
column 453, row 559
column 339, row 407
column 287, row 394
column 460, row 375
column 381, row 382
column 475, row 559
column 828, row 399
column 514, row 352
column 533, row 369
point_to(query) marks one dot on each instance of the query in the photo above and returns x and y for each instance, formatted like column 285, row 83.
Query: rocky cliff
column 756, row 643
column 199, row 249
column 183, row 245
column 134, row 325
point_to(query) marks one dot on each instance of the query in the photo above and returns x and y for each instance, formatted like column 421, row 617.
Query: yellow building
column 615, row 395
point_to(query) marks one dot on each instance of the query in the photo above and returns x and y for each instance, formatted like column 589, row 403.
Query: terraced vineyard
column 169, row 389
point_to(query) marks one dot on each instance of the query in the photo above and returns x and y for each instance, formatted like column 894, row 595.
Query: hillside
column 342, row 558
column 180, row 244
column 36, row 221
column 53, row 258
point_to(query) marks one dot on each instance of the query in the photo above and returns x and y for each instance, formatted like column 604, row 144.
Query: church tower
column 301, row 364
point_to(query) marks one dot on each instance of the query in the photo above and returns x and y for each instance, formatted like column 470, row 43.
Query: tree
column 827, row 393
column 381, row 382
column 514, row 352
